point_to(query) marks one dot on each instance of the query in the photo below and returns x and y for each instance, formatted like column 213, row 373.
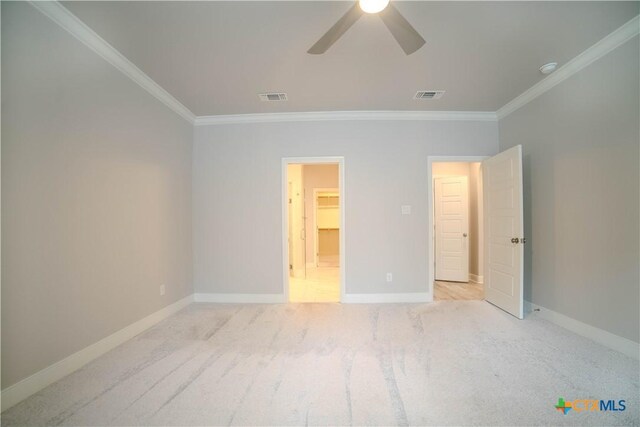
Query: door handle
column 464, row 234
column 515, row 240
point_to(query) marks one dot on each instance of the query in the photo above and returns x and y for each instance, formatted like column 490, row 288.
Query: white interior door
column 296, row 220
column 452, row 228
column 290, row 222
column 504, row 232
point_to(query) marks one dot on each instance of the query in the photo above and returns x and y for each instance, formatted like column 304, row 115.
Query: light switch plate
column 406, row 209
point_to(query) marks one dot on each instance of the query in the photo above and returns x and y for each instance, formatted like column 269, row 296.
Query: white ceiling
column 215, row 57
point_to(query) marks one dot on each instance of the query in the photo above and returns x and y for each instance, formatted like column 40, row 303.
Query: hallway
column 447, row 291
column 322, row 284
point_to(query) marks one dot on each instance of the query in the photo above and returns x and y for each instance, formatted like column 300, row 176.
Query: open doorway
column 326, row 226
column 314, row 235
column 457, row 232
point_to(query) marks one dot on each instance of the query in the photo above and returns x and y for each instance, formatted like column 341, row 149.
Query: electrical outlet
column 162, row 290
column 389, row 277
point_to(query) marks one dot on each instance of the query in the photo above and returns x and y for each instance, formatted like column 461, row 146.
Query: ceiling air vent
column 429, row 94
column 269, row 97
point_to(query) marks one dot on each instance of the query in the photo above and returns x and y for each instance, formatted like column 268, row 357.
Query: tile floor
column 444, row 291
column 322, row 284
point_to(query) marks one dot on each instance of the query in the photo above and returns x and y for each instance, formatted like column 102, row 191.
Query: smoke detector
column 549, row 68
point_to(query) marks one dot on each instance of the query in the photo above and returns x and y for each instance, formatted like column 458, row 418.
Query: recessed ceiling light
column 549, row 68
column 373, row 6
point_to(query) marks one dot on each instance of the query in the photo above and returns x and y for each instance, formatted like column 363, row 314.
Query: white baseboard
column 41, row 379
column 386, row 298
column 240, row 298
column 280, row 298
column 476, row 279
column 615, row 342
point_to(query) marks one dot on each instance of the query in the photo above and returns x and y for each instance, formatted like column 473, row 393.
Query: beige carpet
column 446, row 363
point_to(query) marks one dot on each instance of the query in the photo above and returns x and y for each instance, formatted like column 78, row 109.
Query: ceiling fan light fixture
column 401, row 30
column 373, row 6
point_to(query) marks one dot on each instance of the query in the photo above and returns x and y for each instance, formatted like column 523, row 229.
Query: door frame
column 286, row 161
column 430, row 211
column 315, row 218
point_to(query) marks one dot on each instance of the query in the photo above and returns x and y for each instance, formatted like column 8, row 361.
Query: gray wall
column 476, row 229
column 238, row 207
column 96, row 197
column 581, row 154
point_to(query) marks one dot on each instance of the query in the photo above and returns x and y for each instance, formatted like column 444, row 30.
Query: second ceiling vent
column 273, row 96
column 429, row 94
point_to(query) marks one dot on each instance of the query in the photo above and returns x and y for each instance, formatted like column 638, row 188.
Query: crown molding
column 595, row 52
column 319, row 116
column 74, row 26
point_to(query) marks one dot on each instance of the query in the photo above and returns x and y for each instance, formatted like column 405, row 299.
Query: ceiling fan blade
column 406, row 36
column 338, row 29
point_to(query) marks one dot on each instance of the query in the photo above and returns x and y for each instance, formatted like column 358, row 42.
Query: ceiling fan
column 406, row 36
